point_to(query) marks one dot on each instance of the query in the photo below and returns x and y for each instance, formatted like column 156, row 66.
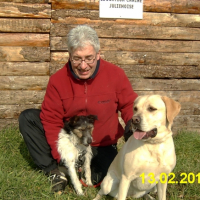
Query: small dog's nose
column 89, row 140
column 136, row 119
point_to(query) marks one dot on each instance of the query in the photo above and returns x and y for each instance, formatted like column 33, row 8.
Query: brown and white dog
column 149, row 150
column 74, row 146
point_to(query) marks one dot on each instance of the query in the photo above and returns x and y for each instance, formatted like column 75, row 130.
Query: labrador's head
column 153, row 115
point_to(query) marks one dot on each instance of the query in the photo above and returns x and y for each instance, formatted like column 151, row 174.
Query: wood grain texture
column 40, row 54
column 8, row 123
column 24, row 25
column 144, row 71
column 170, row 6
column 140, row 58
column 165, row 84
column 22, row 97
column 177, row 6
column 24, row 39
column 189, row 100
column 13, row 111
column 72, row 16
column 11, row 9
column 59, row 57
column 132, row 32
column 27, row 1
column 23, row 82
column 24, row 69
column 60, row 43
column 161, row 71
column 151, row 58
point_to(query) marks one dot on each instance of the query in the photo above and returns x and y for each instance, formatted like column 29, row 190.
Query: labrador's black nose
column 136, row 119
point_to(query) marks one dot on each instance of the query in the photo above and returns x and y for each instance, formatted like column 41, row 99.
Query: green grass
column 21, row 180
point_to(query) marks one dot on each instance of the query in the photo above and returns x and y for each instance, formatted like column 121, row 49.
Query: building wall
column 160, row 53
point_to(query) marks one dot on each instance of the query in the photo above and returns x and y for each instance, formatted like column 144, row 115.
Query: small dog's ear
column 67, row 127
column 92, row 118
column 173, row 108
column 73, row 120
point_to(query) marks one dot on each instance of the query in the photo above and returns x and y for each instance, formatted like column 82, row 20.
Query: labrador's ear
column 173, row 108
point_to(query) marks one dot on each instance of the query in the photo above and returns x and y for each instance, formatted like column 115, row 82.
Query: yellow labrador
column 146, row 159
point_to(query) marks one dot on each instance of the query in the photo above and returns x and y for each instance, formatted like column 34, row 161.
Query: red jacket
column 103, row 95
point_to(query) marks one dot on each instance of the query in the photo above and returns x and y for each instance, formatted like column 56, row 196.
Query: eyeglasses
column 88, row 60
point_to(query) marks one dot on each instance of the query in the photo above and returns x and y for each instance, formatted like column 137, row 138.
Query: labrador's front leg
column 123, row 188
column 161, row 190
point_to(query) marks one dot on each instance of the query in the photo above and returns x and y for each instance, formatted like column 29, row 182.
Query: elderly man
column 86, row 85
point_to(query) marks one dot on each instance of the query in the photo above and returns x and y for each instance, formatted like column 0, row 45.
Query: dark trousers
column 34, row 136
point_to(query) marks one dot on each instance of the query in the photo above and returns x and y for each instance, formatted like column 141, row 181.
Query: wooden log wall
column 160, row 53
column 24, row 56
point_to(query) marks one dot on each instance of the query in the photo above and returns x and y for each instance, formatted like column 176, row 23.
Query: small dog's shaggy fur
column 74, row 147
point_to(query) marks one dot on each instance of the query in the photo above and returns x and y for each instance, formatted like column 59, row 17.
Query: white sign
column 126, row 9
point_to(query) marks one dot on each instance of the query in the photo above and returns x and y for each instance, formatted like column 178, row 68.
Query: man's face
column 84, row 61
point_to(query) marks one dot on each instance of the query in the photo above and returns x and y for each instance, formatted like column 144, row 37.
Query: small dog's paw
column 80, row 192
column 89, row 182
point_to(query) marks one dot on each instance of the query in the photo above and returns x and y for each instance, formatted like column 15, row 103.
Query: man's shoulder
column 111, row 67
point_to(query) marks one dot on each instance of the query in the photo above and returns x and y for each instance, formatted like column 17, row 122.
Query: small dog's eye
column 135, row 109
column 151, row 109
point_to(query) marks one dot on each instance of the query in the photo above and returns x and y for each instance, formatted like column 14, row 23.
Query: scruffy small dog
column 74, row 148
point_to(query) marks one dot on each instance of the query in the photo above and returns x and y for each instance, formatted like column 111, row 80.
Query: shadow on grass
column 25, row 154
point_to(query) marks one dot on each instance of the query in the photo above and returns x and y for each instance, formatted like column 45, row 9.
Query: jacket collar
column 91, row 77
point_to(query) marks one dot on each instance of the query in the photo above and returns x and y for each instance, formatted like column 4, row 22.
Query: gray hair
column 81, row 36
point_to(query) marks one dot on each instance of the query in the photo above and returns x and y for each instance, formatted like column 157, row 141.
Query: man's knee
column 29, row 114
column 28, row 118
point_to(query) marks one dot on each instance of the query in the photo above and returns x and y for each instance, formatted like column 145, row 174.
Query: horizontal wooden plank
column 24, row 39
column 130, row 31
column 154, row 19
column 59, row 57
column 151, row 58
column 34, row 54
column 177, row 6
column 13, row 111
column 8, row 123
column 165, row 84
column 24, row 68
column 23, row 82
column 146, row 71
column 60, row 43
column 177, row 126
column 27, row 1
column 22, row 97
column 160, row 71
column 77, row 4
column 179, row 129
column 11, row 9
column 140, row 58
column 55, row 66
column 25, row 25
column 189, row 100
column 174, row 6
column 184, row 121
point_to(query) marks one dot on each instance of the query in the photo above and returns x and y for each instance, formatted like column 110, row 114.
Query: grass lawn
column 21, row 180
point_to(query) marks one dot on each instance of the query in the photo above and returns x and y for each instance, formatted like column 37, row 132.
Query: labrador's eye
column 135, row 109
column 151, row 108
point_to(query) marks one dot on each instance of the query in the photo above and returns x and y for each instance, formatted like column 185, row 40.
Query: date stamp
column 170, row 178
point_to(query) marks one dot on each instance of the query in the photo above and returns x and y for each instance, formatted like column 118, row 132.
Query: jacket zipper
column 85, row 92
